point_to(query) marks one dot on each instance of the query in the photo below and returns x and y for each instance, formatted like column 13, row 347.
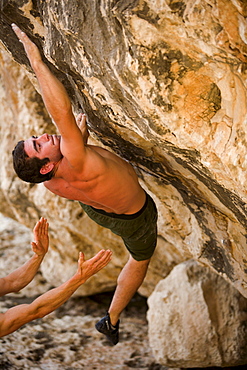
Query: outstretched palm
column 90, row 267
column 41, row 238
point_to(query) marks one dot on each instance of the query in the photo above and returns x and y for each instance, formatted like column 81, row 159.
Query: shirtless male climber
column 105, row 185
column 17, row 316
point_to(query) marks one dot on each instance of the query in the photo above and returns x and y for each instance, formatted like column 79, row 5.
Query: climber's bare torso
column 106, row 182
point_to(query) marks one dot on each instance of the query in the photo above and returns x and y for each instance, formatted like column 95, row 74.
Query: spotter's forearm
column 21, row 277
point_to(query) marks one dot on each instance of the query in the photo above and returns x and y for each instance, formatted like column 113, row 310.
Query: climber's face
column 44, row 146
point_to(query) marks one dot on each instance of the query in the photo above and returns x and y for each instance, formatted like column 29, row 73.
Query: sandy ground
column 67, row 340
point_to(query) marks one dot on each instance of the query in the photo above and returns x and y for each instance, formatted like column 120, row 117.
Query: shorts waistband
column 122, row 216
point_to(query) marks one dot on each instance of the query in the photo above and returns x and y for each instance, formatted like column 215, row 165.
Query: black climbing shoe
column 105, row 326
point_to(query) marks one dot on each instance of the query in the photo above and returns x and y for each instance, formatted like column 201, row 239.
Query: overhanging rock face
column 163, row 84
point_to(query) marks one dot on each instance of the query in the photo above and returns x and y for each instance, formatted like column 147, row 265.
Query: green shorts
column 138, row 231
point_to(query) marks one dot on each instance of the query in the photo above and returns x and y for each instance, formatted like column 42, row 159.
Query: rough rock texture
column 163, row 83
column 195, row 317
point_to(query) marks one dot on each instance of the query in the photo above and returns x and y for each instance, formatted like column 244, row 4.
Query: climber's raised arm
column 56, row 100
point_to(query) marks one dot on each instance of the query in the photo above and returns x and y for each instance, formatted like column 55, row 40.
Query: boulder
column 197, row 319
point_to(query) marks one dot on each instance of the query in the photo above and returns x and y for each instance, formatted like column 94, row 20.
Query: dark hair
column 28, row 169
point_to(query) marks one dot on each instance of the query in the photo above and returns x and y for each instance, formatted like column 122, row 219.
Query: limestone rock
column 196, row 319
column 163, row 84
